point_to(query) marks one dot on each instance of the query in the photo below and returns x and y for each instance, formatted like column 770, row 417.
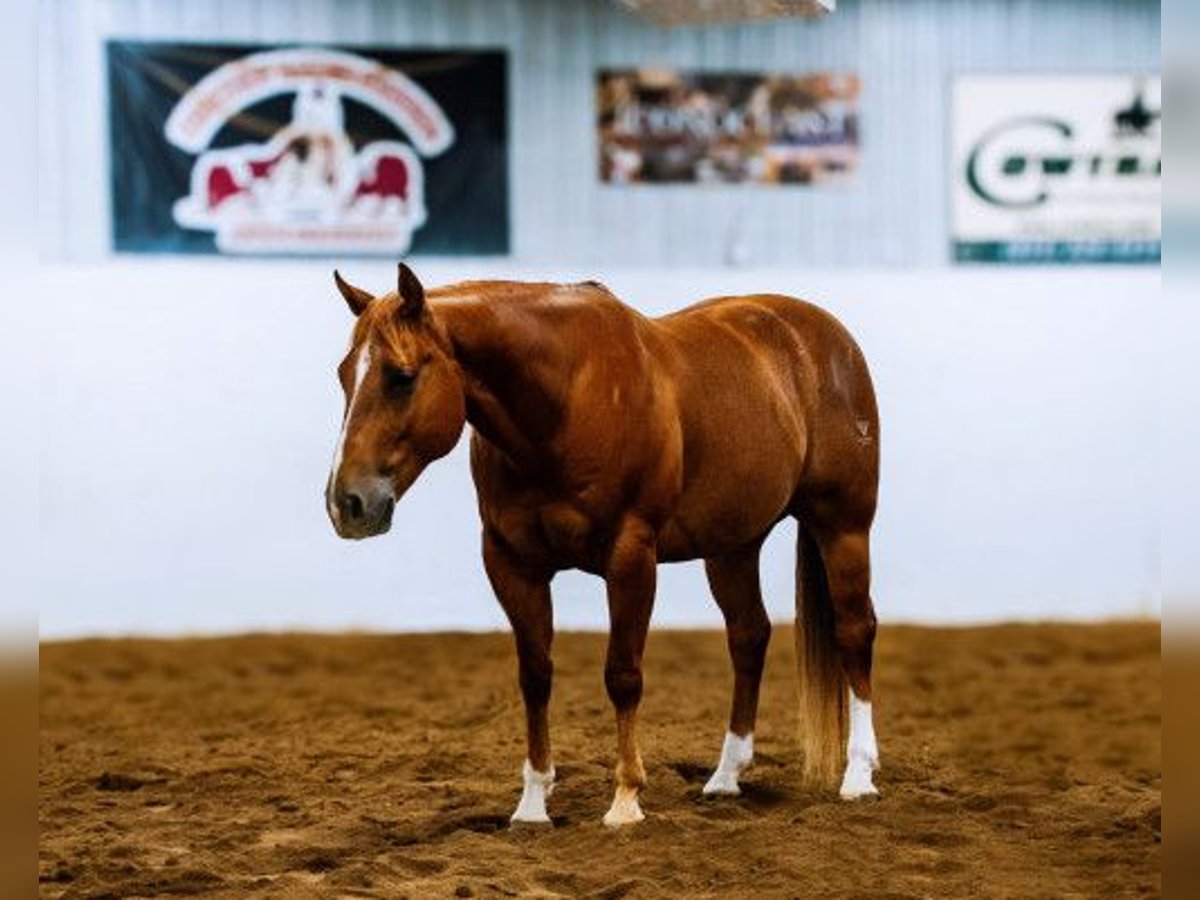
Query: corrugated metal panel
column 905, row 50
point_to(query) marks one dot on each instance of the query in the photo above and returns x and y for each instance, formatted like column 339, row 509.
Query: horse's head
column 405, row 405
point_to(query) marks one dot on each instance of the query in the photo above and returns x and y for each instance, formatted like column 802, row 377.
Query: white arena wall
column 189, row 410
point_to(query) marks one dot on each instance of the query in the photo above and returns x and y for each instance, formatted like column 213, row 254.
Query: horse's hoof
column 538, row 786
column 531, row 811
column 857, row 782
column 848, row 794
column 620, row 819
column 533, row 818
column 736, row 754
column 722, row 784
column 625, row 809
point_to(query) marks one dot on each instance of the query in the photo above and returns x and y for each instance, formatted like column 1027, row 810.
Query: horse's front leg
column 525, row 596
column 630, row 578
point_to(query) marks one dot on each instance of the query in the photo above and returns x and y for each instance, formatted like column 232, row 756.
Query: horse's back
column 795, row 346
column 760, row 317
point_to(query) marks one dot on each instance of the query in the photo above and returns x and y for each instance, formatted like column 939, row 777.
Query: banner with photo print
column 669, row 127
column 240, row 149
column 1057, row 168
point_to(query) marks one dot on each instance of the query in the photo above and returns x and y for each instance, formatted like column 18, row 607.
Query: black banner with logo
column 242, row 149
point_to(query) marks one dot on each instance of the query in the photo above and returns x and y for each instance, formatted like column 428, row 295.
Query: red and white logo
column 306, row 189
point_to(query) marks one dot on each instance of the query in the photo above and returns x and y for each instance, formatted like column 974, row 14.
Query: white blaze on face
column 362, row 365
column 862, row 753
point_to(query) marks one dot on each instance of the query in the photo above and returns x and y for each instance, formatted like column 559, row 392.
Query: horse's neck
column 514, row 377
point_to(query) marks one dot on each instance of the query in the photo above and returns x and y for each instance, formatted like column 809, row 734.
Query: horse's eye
column 397, row 380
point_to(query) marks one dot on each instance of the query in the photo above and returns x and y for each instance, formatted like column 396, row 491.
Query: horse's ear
column 356, row 298
column 412, row 295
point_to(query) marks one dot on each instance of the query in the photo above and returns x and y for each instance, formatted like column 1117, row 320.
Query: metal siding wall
column 905, row 50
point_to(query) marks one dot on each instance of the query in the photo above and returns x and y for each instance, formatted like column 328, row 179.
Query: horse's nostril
column 352, row 506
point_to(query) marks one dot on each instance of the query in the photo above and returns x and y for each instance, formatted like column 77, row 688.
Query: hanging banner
column 666, row 127
column 307, row 150
column 1057, row 168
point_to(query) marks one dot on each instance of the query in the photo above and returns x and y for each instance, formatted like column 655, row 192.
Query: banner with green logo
column 1057, row 168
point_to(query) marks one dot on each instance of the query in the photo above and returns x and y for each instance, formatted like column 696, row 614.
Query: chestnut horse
column 610, row 442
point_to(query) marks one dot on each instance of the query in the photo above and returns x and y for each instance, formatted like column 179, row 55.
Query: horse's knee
column 536, row 677
column 624, row 685
column 854, row 629
column 854, row 632
column 848, row 571
column 847, row 559
column 748, row 642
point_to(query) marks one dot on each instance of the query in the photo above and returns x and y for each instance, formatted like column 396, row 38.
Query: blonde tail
column 822, row 681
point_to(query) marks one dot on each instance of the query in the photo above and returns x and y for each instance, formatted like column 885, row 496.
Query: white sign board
column 1057, row 168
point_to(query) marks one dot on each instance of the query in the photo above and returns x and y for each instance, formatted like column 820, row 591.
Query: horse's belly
column 739, row 481
column 714, row 523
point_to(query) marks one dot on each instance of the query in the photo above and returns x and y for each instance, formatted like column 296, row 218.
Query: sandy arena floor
column 1017, row 762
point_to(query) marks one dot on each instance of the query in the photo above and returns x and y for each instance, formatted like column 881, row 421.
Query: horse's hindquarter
column 772, row 394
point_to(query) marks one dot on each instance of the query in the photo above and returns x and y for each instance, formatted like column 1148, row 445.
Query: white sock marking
column 736, row 754
column 362, row 365
column 625, row 809
column 862, row 753
column 538, row 786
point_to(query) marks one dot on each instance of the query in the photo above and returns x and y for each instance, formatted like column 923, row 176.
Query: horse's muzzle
column 361, row 510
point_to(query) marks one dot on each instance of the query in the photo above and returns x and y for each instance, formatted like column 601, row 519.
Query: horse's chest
column 557, row 533
column 568, row 533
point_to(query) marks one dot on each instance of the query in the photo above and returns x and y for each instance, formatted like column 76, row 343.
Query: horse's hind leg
column 846, row 555
column 734, row 580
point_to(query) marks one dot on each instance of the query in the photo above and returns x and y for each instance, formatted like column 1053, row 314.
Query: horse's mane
column 514, row 291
